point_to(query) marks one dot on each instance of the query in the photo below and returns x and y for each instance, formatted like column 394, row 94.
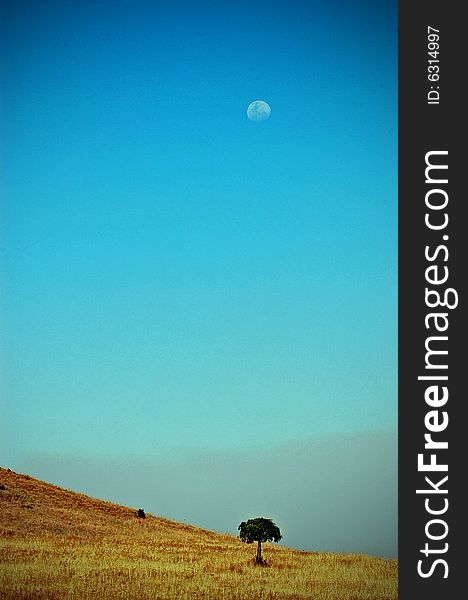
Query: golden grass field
column 56, row 544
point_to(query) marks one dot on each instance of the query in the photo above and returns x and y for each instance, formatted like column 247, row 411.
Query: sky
column 186, row 291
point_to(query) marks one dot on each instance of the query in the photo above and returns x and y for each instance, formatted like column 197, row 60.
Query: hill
column 57, row 544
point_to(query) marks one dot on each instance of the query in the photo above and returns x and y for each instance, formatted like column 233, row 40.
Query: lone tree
column 259, row 530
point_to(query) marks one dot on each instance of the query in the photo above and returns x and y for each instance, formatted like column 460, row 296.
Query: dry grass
column 56, row 545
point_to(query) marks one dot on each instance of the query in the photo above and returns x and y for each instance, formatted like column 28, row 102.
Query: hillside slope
column 57, row 544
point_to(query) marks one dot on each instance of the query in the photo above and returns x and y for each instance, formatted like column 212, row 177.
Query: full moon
column 258, row 110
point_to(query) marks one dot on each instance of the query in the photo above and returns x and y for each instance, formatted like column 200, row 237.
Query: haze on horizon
column 181, row 282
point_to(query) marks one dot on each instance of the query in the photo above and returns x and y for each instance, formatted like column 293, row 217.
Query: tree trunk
column 258, row 558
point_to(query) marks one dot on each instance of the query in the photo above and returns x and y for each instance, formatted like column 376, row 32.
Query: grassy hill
column 57, row 544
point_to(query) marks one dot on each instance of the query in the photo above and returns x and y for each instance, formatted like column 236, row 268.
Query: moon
column 258, row 110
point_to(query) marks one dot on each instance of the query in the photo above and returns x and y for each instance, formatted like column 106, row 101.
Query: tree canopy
column 259, row 530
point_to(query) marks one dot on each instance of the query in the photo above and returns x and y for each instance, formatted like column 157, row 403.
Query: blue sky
column 176, row 277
